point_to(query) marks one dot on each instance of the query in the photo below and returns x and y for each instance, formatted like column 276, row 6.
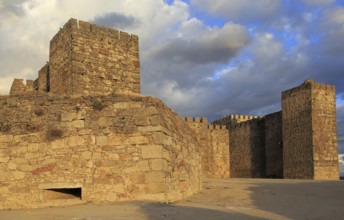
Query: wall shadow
column 300, row 199
column 158, row 211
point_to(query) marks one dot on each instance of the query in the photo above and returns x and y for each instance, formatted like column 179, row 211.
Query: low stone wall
column 105, row 148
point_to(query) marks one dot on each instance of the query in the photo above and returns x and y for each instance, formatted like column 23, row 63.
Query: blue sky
column 201, row 57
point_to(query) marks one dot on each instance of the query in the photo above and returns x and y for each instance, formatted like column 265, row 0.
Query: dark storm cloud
column 116, row 20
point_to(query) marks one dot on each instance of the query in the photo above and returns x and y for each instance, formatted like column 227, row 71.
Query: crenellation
column 19, row 87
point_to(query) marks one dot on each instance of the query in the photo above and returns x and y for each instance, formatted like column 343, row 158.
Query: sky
column 207, row 58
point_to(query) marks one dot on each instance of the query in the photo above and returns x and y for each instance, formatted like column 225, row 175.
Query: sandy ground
column 220, row 199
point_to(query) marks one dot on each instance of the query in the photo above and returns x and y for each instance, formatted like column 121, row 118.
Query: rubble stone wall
column 113, row 148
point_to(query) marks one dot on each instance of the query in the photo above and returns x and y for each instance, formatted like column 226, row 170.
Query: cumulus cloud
column 212, row 45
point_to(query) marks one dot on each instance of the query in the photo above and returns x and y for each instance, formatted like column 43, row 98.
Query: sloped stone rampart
column 115, row 148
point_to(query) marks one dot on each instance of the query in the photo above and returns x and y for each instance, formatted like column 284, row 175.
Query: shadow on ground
column 300, row 199
column 159, row 211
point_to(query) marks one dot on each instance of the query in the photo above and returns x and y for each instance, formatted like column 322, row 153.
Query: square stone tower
column 310, row 148
column 88, row 59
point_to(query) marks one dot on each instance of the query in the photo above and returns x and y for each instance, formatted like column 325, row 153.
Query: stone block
column 158, row 164
column 67, row 116
column 155, row 177
column 57, row 144
column 118, row 188
column 140, row 166
column 78, row 123
column 113, row 156
column 87, row 155
column 11, row 166
column 111, row 197
column 102, row 140
column 97, row 156
column 6, row 138
column 18, row 175
column 105, row 121
column 85, row 131
column 137, row 140
column 4, row 159
column 75, row 141
column 152, row 151
column 156, row 188
column 137, row 178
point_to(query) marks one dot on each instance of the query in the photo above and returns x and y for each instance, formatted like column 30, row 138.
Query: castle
column 83, row 132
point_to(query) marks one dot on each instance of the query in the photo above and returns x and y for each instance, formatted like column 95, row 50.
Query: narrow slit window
column 62, row 193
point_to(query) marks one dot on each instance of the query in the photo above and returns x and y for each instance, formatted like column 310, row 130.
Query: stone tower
column 310, row 148
column 88, row 59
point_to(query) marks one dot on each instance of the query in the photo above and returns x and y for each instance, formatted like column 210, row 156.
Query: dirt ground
column 220, row 199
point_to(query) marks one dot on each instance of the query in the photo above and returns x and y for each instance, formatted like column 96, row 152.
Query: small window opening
column 62, row 193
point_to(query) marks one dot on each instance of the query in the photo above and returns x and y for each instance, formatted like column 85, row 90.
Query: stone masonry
column 82, row 132
column 309, row 132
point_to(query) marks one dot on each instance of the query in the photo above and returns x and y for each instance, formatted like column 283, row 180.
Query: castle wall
column 112, row 148
column 219, row 152
column 43, row 83
column 90, row 59
column 214, row 145
column 297, row 133
column 247, row 153
column 273, row 145
column 324, row 127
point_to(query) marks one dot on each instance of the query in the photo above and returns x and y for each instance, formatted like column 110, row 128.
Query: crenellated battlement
column 218, row 127
column 231, row 120
column 19, row 87
column 200, row 120
column 254, row 121
column 74, row 26
column 307, row 85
